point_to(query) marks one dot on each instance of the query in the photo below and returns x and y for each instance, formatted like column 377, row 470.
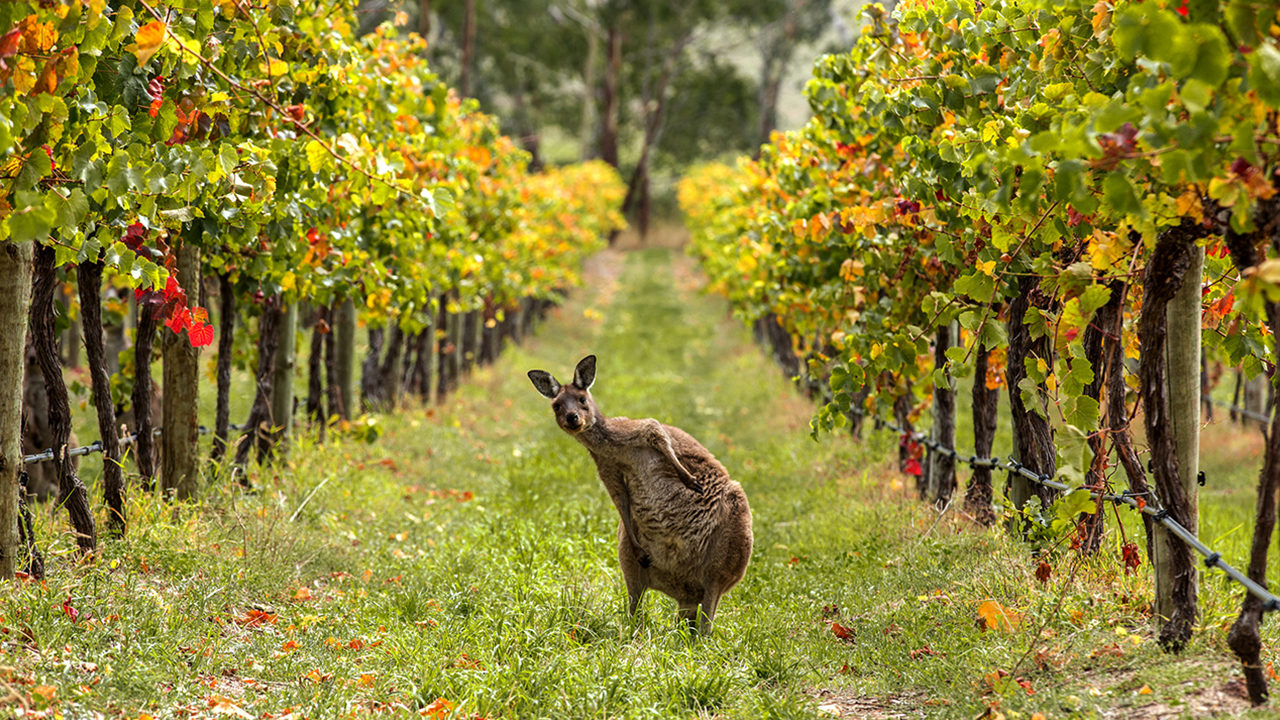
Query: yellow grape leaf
column 1101, row 18
column 148, row 41
column 274, row 67
column 24, row 75
column 95, row 12
column 289, row 282
column 316, row 155
column 1189, row 205
column 1268, row 272
column 1106, row 249
column 994, row 616
column 988, row 268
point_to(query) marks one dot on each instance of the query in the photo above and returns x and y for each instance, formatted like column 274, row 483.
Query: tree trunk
column 455, row 350
column 332, row 385
column 15, row 305
column 424, row 19
column 653, row 125
column 587, row 130
column 143, row 424
column 444, row 385
column 1110, row 319
column 71, row 492
column 115, row 333
column 942, row 477
column 89, row 280
column 489, row 338
column 282, row 384
column 226, row 341
column 345, row 355
column 34, row 565
column 257, row 430
column 1235, row 395
column 390, row 381
column 986, row 402
column 424, row 351
column 470, row 328
column 902, row 415
column 516, row 317
column 609, row 113
column 71, row 346
column 370, row 371
column 1165, row 275
column 468, row 47
column 858, row 410
column 1244, row 638
column 315, row 369
column 1091, row 524
column 1033, row 434
column 179, row 477
column 528, row 314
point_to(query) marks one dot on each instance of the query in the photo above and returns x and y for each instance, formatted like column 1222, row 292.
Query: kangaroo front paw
column 690, row 481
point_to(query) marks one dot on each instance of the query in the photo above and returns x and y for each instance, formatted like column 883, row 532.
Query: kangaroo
column 685, row 526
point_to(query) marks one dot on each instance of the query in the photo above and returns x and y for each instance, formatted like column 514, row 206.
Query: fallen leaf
column 842, row 632
column 219, row 705
column 437, row 710
column 994, row 616
column 1144, row 690
column 925, row 651
column 303, row 593
column 47, row 693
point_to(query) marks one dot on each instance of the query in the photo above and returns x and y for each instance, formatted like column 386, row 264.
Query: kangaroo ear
column 584, row 376
column 545, row 384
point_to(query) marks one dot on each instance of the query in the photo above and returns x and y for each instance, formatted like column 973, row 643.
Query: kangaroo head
column 572, row 403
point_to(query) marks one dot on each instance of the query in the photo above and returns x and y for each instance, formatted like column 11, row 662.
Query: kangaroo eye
column 555, row 406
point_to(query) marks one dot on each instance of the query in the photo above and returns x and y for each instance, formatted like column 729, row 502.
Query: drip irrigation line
column 96, row 445
column 1212, row 559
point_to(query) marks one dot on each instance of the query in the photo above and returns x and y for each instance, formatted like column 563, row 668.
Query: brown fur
column 685, row 526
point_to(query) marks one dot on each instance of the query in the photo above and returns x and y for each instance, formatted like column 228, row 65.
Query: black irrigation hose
column 96, row 446
column 1270, row 602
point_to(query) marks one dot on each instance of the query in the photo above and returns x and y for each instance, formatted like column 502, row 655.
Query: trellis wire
column 96, row 446
column 1270, row 602
column 1251, row 414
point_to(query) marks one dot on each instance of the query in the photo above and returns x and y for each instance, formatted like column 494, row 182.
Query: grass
column 469, row 555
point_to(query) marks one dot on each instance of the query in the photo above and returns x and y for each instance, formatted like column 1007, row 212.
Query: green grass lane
column 469, row 555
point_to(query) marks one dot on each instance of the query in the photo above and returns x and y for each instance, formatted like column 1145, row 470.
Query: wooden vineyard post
column 1166, row 273
column 15, row 302
column 1183, row 350
column 282, row 385
column 179, row 475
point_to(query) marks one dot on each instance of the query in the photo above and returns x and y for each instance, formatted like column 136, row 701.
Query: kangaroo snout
column 573, row 421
